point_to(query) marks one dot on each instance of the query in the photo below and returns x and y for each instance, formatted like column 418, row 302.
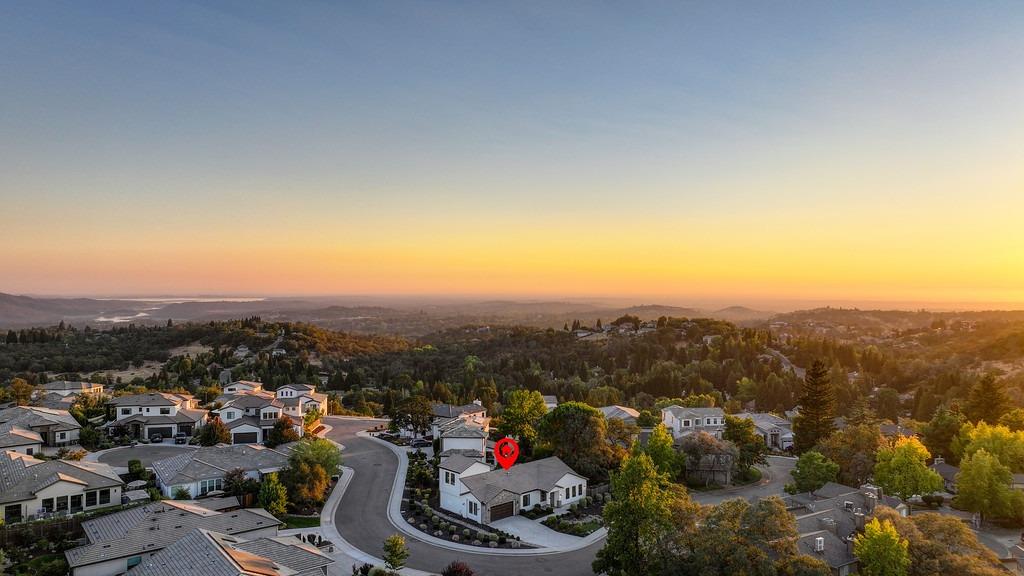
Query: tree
column 458, row 568
column 815, row 422
column 902, row 469
column 22, row 391
column 282, row 432
column 941, row 544
column 182, row 494
column 273, row 496
column 310, row 420
column 604, row 396
column 854, row 449
column 395, row 552
column 307, row 483
column 214, row 432
column 987, row 401
column 662, row 452
column 520, row 416
column 1014, row 420
column 939, row 432
column 749, row 444
column 739, row 538
column 577, row 434
column 881, row 551
column 812, row 471
column 645, row 513
column 983, row 486
column 998, row 441
column 414, row 413
column 888, row 404
column 804, row 565
column 236, row 483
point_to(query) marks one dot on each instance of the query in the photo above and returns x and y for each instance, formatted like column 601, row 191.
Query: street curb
column 396, row 519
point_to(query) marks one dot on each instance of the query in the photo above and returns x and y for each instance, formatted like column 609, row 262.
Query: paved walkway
column 533, row 532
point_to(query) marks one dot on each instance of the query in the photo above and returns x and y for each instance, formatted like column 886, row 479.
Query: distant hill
column 740, row 314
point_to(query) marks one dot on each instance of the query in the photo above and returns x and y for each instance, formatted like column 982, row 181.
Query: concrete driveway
column 533, row 532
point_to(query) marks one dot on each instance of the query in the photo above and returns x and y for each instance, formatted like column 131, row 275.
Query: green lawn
column 301, row 521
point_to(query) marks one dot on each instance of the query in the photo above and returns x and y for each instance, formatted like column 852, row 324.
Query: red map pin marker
column 505, row 452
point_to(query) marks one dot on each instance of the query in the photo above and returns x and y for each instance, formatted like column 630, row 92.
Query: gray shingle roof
column 22, row 476
column 683, row 412
column 457, row 463
column 66, row 386
column 836, row 552
column 37, row 417
column 216, row 461
column 156, row 526
column 537, row 475
column 207, row 553
column 619, row 413
column 947, row 471
column 150, row 399
column 12, row 435
column 450, row 411
column 464, row 431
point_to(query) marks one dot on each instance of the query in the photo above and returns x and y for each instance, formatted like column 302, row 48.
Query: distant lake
column 117, row 319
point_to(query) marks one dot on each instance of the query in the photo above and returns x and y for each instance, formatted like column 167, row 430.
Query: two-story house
column 298, row 399
column 31, row 488
column 682, row 421
column 251, row 416
column 473, row 490
column 55, row 428
column 163, row 413
column 68, row 388
column 776, row 430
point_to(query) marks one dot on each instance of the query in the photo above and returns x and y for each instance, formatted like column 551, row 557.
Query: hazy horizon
column 720, row 152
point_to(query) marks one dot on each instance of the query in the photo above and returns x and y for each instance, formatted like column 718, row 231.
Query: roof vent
column 819, row 544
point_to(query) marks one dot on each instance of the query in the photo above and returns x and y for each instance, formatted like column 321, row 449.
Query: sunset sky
column 655, row 150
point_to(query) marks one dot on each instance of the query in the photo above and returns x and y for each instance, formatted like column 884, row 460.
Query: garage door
column 502, row 511
column 164, row 432
column 245, row 438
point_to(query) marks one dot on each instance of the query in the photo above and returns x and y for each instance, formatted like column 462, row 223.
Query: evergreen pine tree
column 987, row 401
column 817, row 408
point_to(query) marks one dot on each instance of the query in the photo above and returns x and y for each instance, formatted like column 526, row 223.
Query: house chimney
column 819, row 544
column 938, row 460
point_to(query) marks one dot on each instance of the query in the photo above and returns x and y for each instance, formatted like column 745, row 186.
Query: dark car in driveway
column 420, row 443
column 156, row 438
column 180, row 438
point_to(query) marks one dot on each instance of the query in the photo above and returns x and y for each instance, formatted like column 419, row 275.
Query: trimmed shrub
column 465, row 532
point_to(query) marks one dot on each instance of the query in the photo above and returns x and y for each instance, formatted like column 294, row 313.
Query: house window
column 62, row 503
column 12, row 513
column 543, row 496
column 48, row 505
column 147, row 410
column 580, row 491
column 62, row 435
column 90, row 499
column 126, row 411
column 134, row 561
column 686, row 423
column 210, row 485
column 474, row 508
column 105, row 496
column 76, row 503
column 526, row 500
column 449, row 478
column 165, row 410
column 567, row 494
column 28, row 451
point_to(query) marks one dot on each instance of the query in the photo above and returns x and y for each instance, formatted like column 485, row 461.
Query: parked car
column 420, row 443
column 180, row 438
column 156, row 438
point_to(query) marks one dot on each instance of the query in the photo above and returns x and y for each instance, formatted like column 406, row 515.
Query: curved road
column 362, row 517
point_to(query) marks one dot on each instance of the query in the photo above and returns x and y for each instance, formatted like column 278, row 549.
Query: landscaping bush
column 452, row 528
column 465, row 532
column 477, row 543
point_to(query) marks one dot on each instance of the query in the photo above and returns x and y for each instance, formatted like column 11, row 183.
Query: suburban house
column 298, row 399
column 624, row 413
column 550, row 402
column 31, row 488
column 14, row 438
column 202, row 552
column 250, row 416
column 202, row 471
column 67, row 388
column 163, row 413
column 682, row 421
column 55, row 427
column 463, row 437
column 123, row 540
column 243, row 387
column 473, row 490
column 947, row 471
column 828, row 519
column 776, row 431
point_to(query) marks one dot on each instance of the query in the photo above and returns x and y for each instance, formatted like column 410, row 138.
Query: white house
column 298, row 399
column 550, row 402
column 250, row 416
column 67, row 388
column 14, row 438
column 121, row 541
column 202, row 471
column 682, row 421
column 776, row 430
column 163, row 413
column 242, row 387
column 467, row 438
column 473, row 490
column 31, row 488
column 55, row 427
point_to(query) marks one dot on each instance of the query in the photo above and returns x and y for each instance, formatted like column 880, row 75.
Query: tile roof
column 21, row 476
column 458, row 463
column 216, row 461
column 537, row 475
column 464, row 431
column 147, row 529
column 206, row 553
column 684, row 412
